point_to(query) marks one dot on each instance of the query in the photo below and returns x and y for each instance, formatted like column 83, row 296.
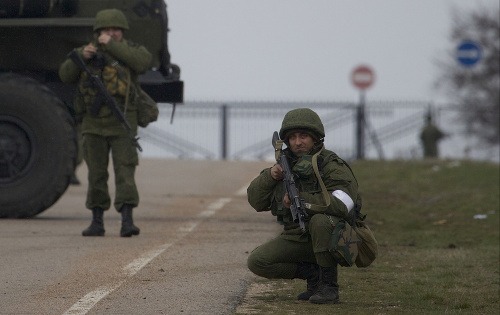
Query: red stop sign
column 362, row 77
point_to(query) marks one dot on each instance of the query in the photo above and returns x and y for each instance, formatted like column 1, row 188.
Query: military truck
column 38, row 138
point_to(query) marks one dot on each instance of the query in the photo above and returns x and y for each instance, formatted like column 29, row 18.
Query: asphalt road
column 190, row 258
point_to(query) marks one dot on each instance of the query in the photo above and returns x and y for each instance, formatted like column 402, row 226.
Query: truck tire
column 38, row 147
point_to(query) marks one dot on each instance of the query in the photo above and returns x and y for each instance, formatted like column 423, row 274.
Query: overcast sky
column 305, row 50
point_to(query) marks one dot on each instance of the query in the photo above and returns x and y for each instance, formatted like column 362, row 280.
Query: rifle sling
column 128, row 92
column 326, row 195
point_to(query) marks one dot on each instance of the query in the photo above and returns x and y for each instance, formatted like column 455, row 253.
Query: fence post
column 224, row 131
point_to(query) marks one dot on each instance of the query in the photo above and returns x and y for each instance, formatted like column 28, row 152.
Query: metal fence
column 243, row 130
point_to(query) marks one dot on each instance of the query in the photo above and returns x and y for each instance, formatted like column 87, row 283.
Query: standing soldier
column 117, row 62
column 430, row 136
column 332, row 196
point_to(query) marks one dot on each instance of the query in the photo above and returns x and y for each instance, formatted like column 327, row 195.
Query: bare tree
column 476, row 89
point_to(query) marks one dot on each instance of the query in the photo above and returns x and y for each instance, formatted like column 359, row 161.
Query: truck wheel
column 38, row 147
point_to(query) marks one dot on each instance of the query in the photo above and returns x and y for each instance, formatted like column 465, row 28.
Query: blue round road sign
column 468, row 53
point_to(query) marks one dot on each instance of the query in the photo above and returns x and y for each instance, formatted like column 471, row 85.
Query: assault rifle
column 298, row 206
column 104, row 97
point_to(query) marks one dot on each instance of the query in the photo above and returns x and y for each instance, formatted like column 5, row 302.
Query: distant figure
column 430, row 136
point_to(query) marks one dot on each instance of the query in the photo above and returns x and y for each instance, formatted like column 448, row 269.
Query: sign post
column 362, row 77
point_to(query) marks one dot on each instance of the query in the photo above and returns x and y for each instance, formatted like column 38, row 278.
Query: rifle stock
column 104, row 97
column 297, row 207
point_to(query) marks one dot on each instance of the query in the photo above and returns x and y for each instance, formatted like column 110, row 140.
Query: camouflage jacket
column 430, row 137
column 266, row 194
column 122, row 63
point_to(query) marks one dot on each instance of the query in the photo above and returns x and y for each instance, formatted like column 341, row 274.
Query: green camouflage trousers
column 96, row 151
column 278, row 258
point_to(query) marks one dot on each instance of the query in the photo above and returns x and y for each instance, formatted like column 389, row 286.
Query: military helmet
column 110, row 18
column 302, row 118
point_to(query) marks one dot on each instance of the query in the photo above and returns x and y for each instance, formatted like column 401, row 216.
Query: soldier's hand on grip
column 89, row 51
column 277, row 172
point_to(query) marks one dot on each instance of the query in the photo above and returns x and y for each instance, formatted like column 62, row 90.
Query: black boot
column 309, row 272
column 96, row 227
column 328, row 292
column 128, row 228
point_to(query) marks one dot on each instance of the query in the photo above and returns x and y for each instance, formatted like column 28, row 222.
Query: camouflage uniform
column 430, row 136
column 118, row 67
column 297, row 254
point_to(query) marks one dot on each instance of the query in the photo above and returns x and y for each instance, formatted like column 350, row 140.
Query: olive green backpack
column 352, row 242
column 367, row 245
column 147, row 109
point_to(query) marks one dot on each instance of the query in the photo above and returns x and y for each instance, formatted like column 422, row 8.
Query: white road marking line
column 189, row 227
column 137, row 264
column 213, row 207
column 242, row 191
column 218, row 204
column 86, row 303
column 206, row 213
